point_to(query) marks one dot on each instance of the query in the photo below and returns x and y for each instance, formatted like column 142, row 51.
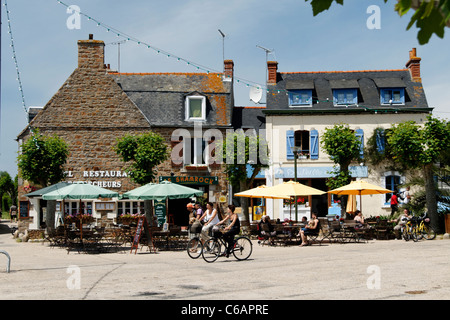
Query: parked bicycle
column 422, row 228
column 216, row 246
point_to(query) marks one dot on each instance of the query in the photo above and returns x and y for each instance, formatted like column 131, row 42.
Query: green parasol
column 80, row 191
column 162, row 191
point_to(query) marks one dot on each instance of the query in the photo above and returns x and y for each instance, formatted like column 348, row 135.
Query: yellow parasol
column 260, row 192
column 360, row 188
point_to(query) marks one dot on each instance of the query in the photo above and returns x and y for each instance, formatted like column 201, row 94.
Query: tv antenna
column 268, row 51
column 223, row 44
column 118, row 43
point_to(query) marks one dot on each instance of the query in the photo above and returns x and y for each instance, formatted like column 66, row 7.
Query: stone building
column 95, row 106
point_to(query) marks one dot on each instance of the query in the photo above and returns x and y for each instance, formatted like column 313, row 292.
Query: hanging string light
column 198, row 66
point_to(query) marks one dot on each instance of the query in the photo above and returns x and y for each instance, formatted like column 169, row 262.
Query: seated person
column 359, row 219
column 267, row 231
column 312, row 228
column 402, row 220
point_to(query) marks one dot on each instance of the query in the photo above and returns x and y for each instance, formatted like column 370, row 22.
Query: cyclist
column 232, row 229
column 211, row 218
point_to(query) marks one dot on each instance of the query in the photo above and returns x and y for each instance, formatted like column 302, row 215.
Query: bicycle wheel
column 194, row 248
column 428, row 232
column 405, row 233
column 414, row 234
column 242, row 248
column 211, row 250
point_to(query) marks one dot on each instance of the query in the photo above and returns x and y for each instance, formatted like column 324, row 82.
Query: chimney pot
column 228, row 69
column 91, row 36
column 272, row 67
column 414, row 65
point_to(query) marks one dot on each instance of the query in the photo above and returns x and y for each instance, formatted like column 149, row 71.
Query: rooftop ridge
column 162, row 73
column 347, row 71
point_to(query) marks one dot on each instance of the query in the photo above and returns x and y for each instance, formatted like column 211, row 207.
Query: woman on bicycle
column 211, row 218
column 232, row 229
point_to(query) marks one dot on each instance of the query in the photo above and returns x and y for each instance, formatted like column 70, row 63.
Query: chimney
column 414, row 65
column 91, row 53
column 272, row 67
column 228, row 69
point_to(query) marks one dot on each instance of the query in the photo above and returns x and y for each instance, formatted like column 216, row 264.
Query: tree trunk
column 430, row 193
column 148, row 209
column 50, row 217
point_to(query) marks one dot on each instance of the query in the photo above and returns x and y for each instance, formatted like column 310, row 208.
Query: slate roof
column 161, row 96
column 249, row 118
column 368, row 83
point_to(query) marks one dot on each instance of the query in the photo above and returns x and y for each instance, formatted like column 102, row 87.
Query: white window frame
column 195, row 97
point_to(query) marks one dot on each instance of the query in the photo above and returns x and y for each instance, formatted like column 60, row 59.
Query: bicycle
column 408, row 231
column 212, row 248
column 423, row 228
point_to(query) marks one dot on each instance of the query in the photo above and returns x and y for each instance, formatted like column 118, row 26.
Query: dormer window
column 195, row 108
column 300, row 98
column 345, row 97
column 392, row 96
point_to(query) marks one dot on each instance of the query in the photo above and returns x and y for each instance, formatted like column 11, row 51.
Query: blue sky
column 334, row 40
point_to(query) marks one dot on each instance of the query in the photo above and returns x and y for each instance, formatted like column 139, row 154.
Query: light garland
column 247, row 83
column 15, row 56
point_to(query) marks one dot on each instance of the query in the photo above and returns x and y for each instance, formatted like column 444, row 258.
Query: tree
column 8, row 186
column 240, row 149
column 42, row 159
column 343, row 146
column 430, row 16
column 144, row 153
column 420, row 148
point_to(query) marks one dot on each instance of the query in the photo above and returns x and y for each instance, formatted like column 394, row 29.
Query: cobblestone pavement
column 382, row 270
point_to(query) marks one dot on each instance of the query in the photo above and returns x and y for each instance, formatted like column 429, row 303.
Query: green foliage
column 8, row 187
column 416, row 147
column 240, row 149
column 430, row 17
column 144, row 153
column 42, row 159
column 343, row 147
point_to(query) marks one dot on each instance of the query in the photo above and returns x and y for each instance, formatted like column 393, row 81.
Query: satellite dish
column 255, row 94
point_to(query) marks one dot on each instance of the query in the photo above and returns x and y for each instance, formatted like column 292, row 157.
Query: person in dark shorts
column 312, row 228
column 232, row 229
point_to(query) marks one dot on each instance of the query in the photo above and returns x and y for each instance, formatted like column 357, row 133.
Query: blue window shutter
column 289, row 144
column 380, row 139
column 314, row 144
column 360, row 136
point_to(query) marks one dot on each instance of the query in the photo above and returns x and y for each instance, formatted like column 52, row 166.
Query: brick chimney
column 272, row 67
column 414, row 65
column 91, row 53
column 228, row 69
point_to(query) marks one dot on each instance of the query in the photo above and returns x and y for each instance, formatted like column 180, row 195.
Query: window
column 345, row 96
column 392, row 96
column 130, row 207
column 300, row 97
column 193, row 151
column 308, row 141
column 301, row 140
column 392, row 182
column 195, row 108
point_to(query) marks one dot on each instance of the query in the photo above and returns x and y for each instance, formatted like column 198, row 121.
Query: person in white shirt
column 211, row 218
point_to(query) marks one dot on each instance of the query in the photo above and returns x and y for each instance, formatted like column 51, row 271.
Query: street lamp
column 295, row 151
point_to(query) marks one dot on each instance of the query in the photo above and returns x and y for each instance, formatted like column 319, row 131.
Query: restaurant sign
column 191, row 180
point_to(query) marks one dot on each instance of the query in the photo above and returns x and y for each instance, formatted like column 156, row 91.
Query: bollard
column 9, row 260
